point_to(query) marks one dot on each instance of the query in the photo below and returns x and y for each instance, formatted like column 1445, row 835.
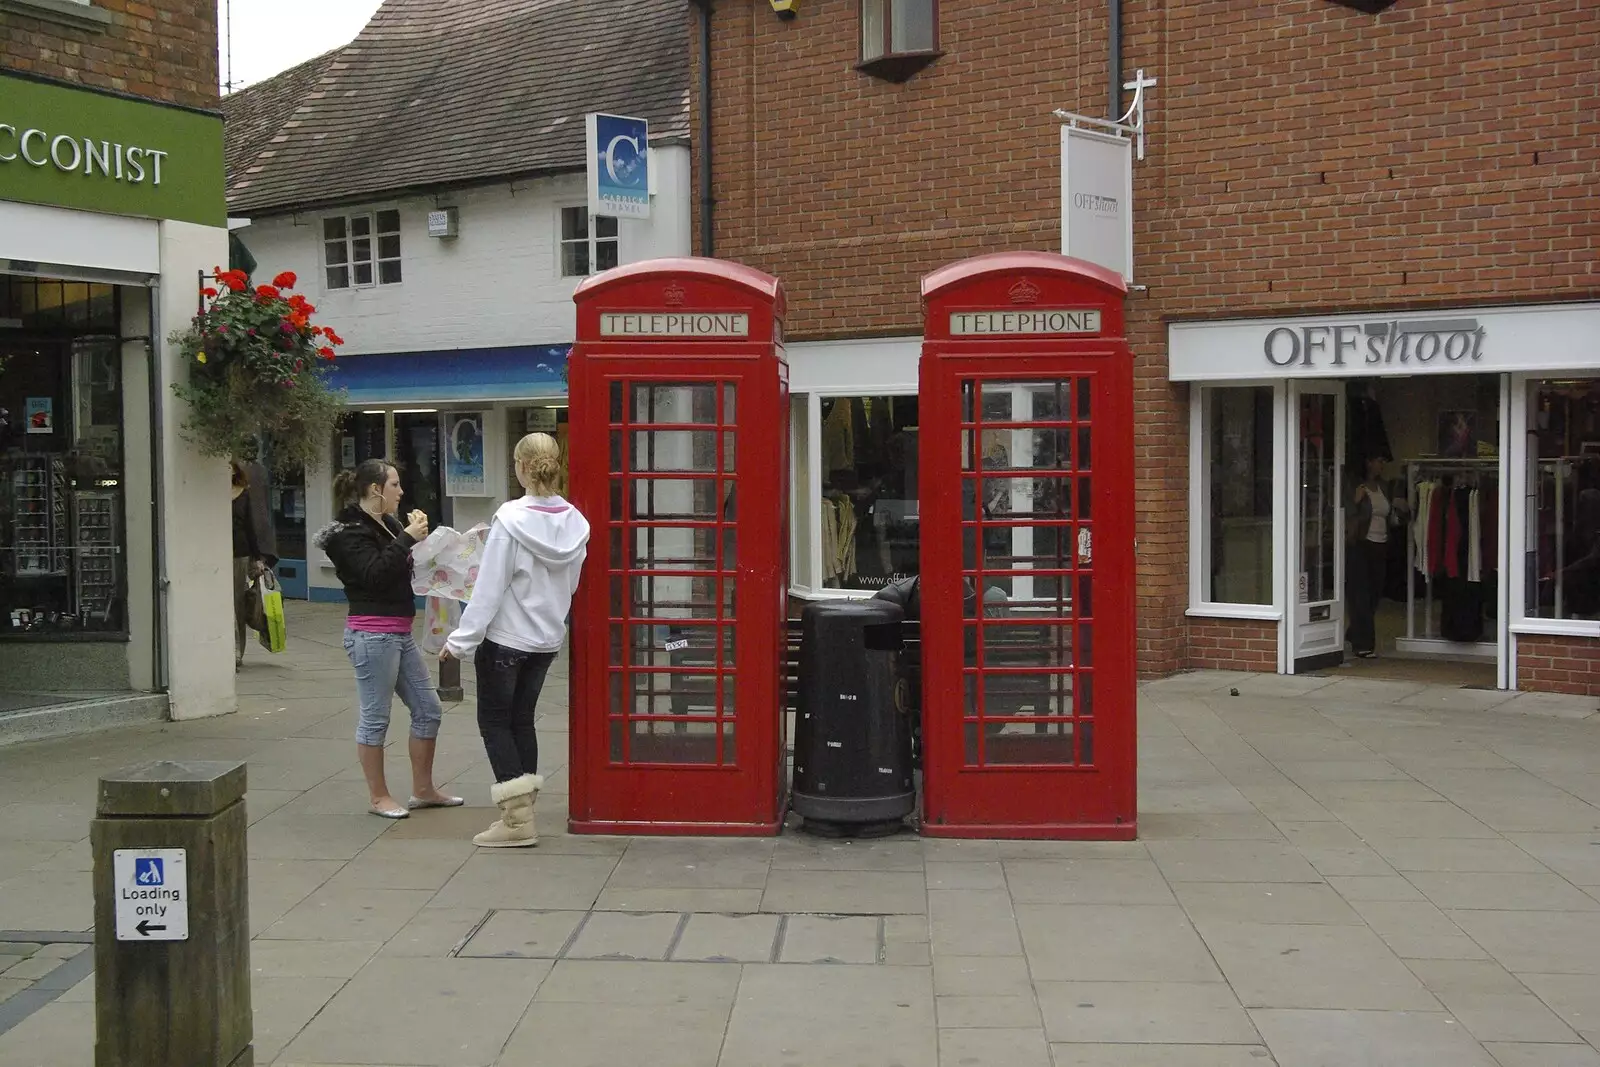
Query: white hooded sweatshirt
column 525, row 583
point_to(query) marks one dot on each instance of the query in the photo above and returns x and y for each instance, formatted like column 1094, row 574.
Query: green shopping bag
column 273, row 635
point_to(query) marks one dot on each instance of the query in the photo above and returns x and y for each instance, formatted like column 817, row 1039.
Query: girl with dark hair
column 371, row 551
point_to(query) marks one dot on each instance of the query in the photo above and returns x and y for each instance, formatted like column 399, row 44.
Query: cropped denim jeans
column 389, row 664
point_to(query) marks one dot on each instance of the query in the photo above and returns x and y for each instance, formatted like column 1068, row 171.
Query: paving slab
column 872, row 1017
column 1013, row 1047
column 1341, row 967
column 712, row 938
column 415, row 1011
column 831, row 939
column 1324, row 1038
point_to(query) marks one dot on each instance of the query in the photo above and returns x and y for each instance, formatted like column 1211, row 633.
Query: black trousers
column 1365, row 563
column 509, row 682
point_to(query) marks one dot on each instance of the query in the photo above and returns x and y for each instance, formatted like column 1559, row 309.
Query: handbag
column 269, row 598
column 254, row 616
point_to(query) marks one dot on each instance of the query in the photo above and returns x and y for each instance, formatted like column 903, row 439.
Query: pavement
column 1331, row 872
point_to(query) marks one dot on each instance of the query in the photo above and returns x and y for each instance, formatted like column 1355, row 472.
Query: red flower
column 285, row 280
column 235, row 280
column 209, row 293
column 318, row 331
column 333, row 337
column 267, row 292
column 325, row 353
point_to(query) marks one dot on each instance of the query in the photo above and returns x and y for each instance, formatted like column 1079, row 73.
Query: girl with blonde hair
column 514, row 626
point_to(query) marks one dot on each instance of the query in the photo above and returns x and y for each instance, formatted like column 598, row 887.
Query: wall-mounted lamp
column 786, row 9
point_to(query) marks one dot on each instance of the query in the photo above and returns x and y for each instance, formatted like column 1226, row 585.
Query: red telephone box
column 679, row 458
column 1027, row 551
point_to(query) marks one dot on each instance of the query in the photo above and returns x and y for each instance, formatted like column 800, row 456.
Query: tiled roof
column 444, row 92
column 256, row 115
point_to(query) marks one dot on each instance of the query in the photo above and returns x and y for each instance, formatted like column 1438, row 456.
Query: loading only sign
column 152, row 888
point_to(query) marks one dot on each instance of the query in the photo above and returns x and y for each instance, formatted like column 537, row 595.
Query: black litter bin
column 852, row 740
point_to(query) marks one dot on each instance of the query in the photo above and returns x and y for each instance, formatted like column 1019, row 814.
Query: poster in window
column 41, row 414
column 463, row 470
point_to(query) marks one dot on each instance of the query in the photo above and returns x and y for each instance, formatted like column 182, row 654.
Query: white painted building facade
column 478, row 322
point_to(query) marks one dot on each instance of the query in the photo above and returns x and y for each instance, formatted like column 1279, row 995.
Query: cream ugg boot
column 514, row 828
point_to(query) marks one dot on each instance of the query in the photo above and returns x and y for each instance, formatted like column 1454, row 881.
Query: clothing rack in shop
column 1425, row 639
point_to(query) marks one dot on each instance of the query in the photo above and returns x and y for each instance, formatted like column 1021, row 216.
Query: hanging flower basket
column 258, row 374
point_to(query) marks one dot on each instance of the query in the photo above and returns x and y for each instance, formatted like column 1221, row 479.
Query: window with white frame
column 589, row 243
column 1563, row 500
column 1235, row 471
column 868, row 522
column 359, row 251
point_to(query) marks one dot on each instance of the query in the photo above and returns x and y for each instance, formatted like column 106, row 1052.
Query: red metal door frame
column 1055, row 754
column 641, row 760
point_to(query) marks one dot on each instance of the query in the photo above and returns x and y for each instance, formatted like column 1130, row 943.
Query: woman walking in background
column 1372, row 513
column 514, row 626
column 371, row 552
column 250, row 560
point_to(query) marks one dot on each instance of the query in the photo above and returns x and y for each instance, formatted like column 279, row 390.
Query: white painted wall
column 198, row 523
column 498, row 284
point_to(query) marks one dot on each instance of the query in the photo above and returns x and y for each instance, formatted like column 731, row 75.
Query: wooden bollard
column 172, row 917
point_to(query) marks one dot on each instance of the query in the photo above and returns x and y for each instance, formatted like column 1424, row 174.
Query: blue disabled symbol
column 149, row 872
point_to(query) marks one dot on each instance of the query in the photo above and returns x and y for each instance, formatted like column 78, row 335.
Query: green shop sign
column 76, row 148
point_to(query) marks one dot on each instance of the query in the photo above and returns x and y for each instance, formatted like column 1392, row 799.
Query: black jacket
column 373, row 562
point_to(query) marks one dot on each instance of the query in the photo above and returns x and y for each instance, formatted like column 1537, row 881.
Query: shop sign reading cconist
column 76, row 148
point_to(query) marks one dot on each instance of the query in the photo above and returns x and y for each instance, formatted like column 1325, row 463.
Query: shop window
column 1235, row 557
column 1563, row 551
column 589, row 244
column 359, row 251
column 550, row 419
column 898, row 37
column 62, row 537
column 868, row 521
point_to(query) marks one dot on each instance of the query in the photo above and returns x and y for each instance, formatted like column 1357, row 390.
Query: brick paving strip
column 25, row 956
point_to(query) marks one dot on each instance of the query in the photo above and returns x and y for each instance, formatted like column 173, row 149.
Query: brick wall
column 1559, row 665
column 1302, row 157
column 162, row 49
column 1232, row 645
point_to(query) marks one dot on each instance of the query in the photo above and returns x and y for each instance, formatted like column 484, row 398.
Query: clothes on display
column 838, row 537
column 1454, row 545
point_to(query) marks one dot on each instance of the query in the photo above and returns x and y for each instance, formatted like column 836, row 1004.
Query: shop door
column 676, row 571
column 1316, row 572
column 1042, row 744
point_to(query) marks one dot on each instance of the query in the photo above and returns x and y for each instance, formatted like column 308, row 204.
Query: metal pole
column 1114, row 70
column 157, row 494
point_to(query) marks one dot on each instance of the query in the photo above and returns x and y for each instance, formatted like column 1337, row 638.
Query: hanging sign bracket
column 1131, row 123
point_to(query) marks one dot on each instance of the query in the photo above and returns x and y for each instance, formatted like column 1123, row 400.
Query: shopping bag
column 440, row 619
column 270, row 597
column 445, row 563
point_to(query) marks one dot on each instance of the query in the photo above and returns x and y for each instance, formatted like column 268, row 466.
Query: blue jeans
column 387, row 664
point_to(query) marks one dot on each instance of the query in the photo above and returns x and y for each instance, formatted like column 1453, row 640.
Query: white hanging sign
column 1097, row 198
